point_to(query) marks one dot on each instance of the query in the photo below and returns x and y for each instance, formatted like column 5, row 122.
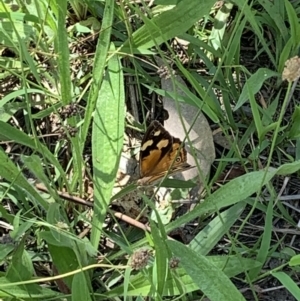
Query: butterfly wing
column 156, row 144
column 161, row 153
column 175, row 160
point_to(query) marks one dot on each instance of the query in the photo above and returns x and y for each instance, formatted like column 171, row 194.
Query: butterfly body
column 160, row 153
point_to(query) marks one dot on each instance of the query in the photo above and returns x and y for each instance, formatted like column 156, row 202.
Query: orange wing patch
column 160, row 154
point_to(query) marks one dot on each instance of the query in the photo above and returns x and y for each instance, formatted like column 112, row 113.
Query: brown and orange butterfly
column 160, row 153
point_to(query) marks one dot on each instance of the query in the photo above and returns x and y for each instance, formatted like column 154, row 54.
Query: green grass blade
column 190, row 98
column 35, row 165
column 285, row 55
column 162, row 253
column 254, row 84
column 10, row 133
column 274, row 11
column 294, row 23
column 255, row 113
column 13, row 175
column 294, row 131
column 208, row 237
column 107, row 141
column 265, row 243
column 251, row 18
column 10, row 32
column 288, row 283
column 161, row 259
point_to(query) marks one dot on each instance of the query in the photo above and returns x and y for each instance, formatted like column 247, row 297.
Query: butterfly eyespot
column 178, row 159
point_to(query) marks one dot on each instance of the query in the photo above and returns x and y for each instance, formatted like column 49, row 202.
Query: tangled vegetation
column 80, row 81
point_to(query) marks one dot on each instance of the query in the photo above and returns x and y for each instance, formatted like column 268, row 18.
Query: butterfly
column 160, row 153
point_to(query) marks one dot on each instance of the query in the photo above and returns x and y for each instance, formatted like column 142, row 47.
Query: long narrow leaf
column 107, row 141
column 169, row 24
column 250, row 17
column 99, row 65
column 13, row 175
column 254, row 83
column 208, row 237
column 266, row 240
column 235, row 191
column 62, row 49
column 289, row 284
column 210, row 280
column 10, row 133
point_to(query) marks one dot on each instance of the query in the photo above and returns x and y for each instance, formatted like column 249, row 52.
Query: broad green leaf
column 20, row 226
column 59, row 231
column 233, row 192
column 80, row 287
column 288, row 168
column 294, row 132
column 140, row 285
column 295, row 261
column 9, row 109
column 5, row 250
column 236, row 190
column 18, row 35
column 8, row 36
column 220, row 24
column 64, row 260
column 211, row 280
column 17, row 16
column 99, row 66
column 20, row 267
column 46, row 11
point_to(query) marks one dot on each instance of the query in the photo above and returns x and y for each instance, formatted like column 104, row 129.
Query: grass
column 77, row 81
